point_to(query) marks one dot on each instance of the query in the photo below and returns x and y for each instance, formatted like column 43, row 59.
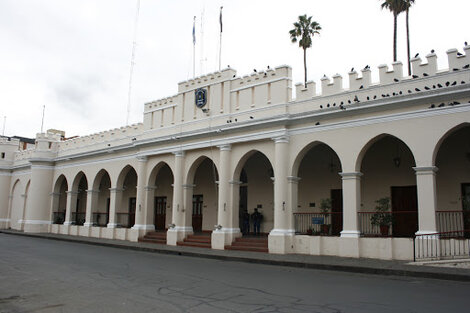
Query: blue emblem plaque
column 201, row 97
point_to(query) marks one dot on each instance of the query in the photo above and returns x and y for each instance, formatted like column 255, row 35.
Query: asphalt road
column 38, row 275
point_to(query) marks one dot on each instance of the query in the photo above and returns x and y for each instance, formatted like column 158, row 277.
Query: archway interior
column 125, row 212
column 320, row 183
column 205, row 197
column 17, row 206
column 453, row 182
column 78, row 214
column 163, row 195
column 387, row 169
column 257, row 191
column 58, row 213
column 101, row 211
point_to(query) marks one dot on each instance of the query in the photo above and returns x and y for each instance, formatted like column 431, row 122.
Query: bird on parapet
column 416, row 55
column 427, row 88
column 356, row 99
column 396, row 80
column 268, row 67
column 466, row 44
column 455, row 69
column 317, row 123
column 441, row 105
column 417, row 89
column 361, row 87
column 439, row 85
column 432, row 106
column 432, row 50
column 415, row 76
column 447, row 84
column 466, row 66
column 462, row 82
column 459, row 54
column 454, row 83
column 425, row 74
column 352, row 69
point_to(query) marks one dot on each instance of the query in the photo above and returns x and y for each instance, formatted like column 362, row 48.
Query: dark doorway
column 160, row 213
column 197, row 213
column 243, row 200
column 132, row 203
column 405, row 211
column 108, row 204
column 336, row 211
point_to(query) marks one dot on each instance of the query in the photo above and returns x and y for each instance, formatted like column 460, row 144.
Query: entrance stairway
column 199, row 240
column 255, row 244
column 158, row 237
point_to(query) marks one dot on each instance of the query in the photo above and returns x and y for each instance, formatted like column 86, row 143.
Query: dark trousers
column 256, row 227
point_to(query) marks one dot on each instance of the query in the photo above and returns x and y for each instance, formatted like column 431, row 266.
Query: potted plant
column 310, row 231
column 325, row 208
column 382, row 216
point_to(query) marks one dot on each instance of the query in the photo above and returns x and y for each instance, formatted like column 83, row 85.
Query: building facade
column 314, row 166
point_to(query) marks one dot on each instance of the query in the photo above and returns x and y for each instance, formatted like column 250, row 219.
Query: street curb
column 316, row 266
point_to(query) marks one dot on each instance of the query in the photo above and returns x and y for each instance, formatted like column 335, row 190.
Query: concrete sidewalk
column 354, row 265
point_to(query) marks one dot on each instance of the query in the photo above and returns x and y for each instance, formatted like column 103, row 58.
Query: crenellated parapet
column 429, row 68
column 206, row 80
column 458, row 60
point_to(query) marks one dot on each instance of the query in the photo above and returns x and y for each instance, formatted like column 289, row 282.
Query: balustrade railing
column 319, row 223
column 399, row 223
column 125, row 219
column 442, row 245
column 58, row 217
column 448, row 221
column 78, row 218
column 100, row 219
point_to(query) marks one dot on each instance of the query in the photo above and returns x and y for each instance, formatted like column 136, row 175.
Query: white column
column 141, row 223
column 292, row 198
column 114, row 202
column 226, row 230
column 280, row 238
column 427, row 199
column 55, row 198
column 70, row 206
column 178, row 229
column 91, row 203
column 351, row 204
column 37, row 216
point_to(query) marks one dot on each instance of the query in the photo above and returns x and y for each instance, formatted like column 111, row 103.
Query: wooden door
column 132, row 203
column 160, row 213
column 197, row 213
column 337, row 211
column 405, row 211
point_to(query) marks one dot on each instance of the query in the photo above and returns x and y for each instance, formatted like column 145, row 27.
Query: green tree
column 408, row 4
column 303, row 32
column 396, row 7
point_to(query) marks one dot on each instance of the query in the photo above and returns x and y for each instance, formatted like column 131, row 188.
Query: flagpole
column 42, row 122
column 194, row 47
column 220, row 40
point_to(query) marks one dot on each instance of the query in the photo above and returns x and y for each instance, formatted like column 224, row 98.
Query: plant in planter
column 325, row 208
column 310, row 231
column 382, row 216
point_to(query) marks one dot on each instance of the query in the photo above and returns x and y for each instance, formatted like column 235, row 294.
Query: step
column 156, row 236
column 247, row 248
column 251, row 239
column 194, row 244
column 150, row 240
column 250, row 244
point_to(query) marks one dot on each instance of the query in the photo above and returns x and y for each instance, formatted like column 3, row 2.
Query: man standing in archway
column 256, row 217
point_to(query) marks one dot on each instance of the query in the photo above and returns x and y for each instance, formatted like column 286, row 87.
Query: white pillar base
column 350, row 234
column 178, row 233
column 281, row 241
column 87, row 224
column 4, row 223
column 224, row 237
column 67, row 223
column 113, row 225
column 36, row 226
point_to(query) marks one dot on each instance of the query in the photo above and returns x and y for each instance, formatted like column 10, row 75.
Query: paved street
column 38, row 275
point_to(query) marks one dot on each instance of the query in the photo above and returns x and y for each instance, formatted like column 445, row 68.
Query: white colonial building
column 314, row 166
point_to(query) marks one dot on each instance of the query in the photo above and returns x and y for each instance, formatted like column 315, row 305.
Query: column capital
column 72, row 192
column 179, row 154
column 281, row 139
column 91, row 191
column 426, row 170
column 116, row 190
column 142, row 158
column 55, row 194
column 188, row 186
column 226, row 147
column 235, row 182
column 150, row 188
column 293, row 179
column 351, row 175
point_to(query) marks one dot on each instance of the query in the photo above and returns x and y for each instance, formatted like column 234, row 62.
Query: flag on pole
column 221, row 18
column 194, row 31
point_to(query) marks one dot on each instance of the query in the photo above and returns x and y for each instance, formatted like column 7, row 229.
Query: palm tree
column 304, row 29
column 396, row 7
column 408, row 4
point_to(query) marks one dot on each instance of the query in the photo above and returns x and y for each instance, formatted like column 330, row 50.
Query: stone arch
column 126, row 186
column 59, row 200
column 300, row 156
column 444, row 137
column 244, row 158
column 76, row 181
column 254, row 190
column 101, row 203
column 371, row 142
column 386, row 163
column 189, row 178
column 14, row 213
column 160, row 195
column 122, row 175
column 452, row 159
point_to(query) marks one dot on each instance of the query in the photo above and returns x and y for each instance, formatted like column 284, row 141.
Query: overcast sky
column 74, row 56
